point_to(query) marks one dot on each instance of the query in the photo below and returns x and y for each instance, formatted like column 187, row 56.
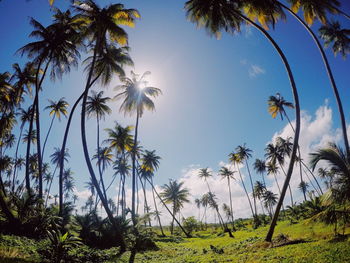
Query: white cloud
column 316, row 132
column 255, row 70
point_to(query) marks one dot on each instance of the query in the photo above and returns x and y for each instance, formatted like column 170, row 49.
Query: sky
column 215, row 92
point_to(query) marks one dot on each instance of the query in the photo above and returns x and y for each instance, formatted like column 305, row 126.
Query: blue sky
column 214, row 91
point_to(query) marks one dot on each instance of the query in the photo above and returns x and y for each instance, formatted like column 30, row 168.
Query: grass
column 318, row 245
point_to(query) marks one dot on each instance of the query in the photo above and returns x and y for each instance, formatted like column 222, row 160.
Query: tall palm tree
column 244, row 154
column 303, row 186
column 102, row 27
column 57, row 109
column 57, row 46
column 198, row 203
column 260, row 167
column 272, row 168
column 204, row 174
column 259, row 191
column 136, row 97
column 236, row 161
column 270, row 200
column 224, row 172
column 315, row 9
column 205, row 202
column 175, row 194
column 213, row 204
column 96, row 105
column 150, row 163
column 334, row 35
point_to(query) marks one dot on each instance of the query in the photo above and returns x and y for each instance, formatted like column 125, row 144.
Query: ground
column 313, row 242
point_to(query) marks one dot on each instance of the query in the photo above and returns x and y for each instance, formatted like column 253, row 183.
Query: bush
column 190, row 224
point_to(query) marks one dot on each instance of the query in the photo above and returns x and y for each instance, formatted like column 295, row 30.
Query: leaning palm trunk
column 251, row 183
column 329, row 72
column 166, row 207
column 297, row 128
column 87, row 157
column 246, row 192
column 229, row 189
column 16, row 157
column 155, row 207
column 290, row 190
column 63, row 148
column 99, row 157
column 49, row 189
column 47, row 136
column 134, row 170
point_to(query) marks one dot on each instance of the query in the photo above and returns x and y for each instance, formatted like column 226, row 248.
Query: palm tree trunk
column 87, row 156
column 172, row 214
column 297, row 130
column 119, row 191
column 312, row 184
column 343, row 13
column 155, row 207
column 47, row 135
column 63, row 148
column 37, row 122
column 172, row 222
column 16, row 157
column 290, row 189
column 134, row 169
column 48, row 191
column 330, row 75
column 251, row 183
column 229, row 189
column 313, row 176
column 99, row 157
column 246, row 192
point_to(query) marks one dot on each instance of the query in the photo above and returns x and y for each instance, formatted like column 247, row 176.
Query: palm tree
column 259, row 191
column 23, row 79
column 272, row 168
column 205, row 202
column 57, row 47
column 260, row 167
column 57, row 109
column 122, row 168
column 303, row 186
column 236, row 161
column 97, row 105
column 204, row 173
column 198, row 203
column 101, row 28
column 136, row 97
column 150, row 163
column 313, row 9
column 270, row 200
column 224, row 172
column 175, row 194
column 244, row 153
column 334, row 35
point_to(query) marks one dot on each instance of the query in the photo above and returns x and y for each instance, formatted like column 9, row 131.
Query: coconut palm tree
column 224, row 172
column 24, row 79
column 270, row 200
column 260, row 167
column 204, row 174
column 57, row 46
column 272, row 168
column 244, row 154
column 236, row 161
column 57, row 109
column 102, row 27
column 150, row 163
column 205, row 202
column 96, row 105
column 198, row 203
column 334, row 35
column 303, row 186
column 136, row 96
column 175, row 194
column 315, row 9
column 259, row 191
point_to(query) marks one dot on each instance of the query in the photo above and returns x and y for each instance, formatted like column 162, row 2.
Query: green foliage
column 190, row 224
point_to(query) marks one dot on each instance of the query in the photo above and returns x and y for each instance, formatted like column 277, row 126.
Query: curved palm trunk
column 99, row 157
column 343, row 13
column 155, row 206
column 134, row 169
column 251, row 183
column 87, row 156
column 27, row 175
column 229, row 189
column 330, row 75
column 145, row 205
column 47, row 135
column 313, row 176
column 37, row 123
column 16, row 157
column 297, row 129
column 63, row 148
column 48, row 191
column 119, row 191
column 312, row 184
column 246, row 192
column 290, row 189
column 172, row 214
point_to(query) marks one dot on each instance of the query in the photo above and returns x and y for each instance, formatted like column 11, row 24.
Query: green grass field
column 316, row 244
